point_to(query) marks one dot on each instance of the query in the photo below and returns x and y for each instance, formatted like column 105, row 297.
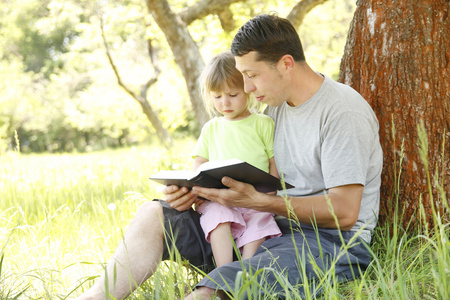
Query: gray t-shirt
column 331, row 140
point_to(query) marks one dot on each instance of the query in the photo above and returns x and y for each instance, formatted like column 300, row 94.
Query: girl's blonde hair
column 219, row 74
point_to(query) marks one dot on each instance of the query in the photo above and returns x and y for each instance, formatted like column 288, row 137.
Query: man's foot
column 205, row 293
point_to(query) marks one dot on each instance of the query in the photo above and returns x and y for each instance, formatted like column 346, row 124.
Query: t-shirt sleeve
column 346, row 150
column 266, row 130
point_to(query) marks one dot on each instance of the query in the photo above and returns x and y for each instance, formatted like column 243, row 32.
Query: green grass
column 61, row 217
column 56, row 222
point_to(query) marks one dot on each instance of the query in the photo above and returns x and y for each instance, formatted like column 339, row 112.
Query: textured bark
column 398, row 57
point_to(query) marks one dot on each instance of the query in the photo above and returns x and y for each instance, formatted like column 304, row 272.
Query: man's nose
column 248, row 85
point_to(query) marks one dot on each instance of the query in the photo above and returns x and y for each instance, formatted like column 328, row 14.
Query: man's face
column 262, row 79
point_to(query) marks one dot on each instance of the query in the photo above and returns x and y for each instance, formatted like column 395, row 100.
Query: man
column 326, row 144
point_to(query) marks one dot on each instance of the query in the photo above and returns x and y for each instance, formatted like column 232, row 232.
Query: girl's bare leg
column 222, row 247
column 250, row 248
column 136, row 257
column 221, row 244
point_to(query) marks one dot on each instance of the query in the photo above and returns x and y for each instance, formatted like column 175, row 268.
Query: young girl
column 237, row 133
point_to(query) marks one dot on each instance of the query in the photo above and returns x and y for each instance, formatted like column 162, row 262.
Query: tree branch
column 203, row 8
column 226, row 19
column 301, row 9
column 113, row 66
column 154, row 61
column 161, row 132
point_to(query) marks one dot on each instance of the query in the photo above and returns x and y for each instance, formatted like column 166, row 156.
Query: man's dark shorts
column 290, row 254
column 184, row 231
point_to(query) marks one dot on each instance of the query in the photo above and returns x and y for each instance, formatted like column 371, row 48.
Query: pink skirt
column 247, row 225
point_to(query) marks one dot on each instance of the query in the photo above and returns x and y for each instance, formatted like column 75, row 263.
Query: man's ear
column 287, row 62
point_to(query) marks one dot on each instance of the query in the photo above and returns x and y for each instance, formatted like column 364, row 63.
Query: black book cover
column 210, row 174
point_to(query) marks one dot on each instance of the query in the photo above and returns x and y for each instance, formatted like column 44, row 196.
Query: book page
column 217, row 164
column 174, row 174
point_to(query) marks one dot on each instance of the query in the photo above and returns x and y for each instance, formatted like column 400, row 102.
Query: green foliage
column 38, row 32
column 58, row 91
column 77, row 107
column 15, row 85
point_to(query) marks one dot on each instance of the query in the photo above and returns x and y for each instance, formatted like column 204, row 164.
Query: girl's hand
column 198, row 202
column 179, row 198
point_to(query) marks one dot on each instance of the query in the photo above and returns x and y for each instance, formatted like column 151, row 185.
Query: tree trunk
column 185, row 51
column 398, row 57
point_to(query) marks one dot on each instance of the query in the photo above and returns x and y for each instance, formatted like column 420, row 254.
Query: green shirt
column 249, row 139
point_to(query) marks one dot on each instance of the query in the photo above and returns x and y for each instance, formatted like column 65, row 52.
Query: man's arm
column 345, row 201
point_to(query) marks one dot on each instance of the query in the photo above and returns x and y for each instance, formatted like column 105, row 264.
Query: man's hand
column 179, row 198
column 239, row 194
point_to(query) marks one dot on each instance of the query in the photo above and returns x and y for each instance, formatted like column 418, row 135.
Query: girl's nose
column 225, row 101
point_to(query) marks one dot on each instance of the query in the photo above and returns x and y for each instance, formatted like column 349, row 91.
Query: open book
column 210, row 175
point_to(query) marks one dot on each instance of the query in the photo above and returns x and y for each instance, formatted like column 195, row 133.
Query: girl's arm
column 273, row 171
column 273, row 168
column 199, row 161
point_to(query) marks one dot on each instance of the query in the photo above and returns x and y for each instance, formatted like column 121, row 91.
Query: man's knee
column 150, row 214
column 151, row 208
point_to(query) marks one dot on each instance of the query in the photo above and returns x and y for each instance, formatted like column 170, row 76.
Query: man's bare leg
column 137, row 256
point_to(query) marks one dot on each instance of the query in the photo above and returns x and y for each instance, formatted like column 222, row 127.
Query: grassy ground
column 61, row 217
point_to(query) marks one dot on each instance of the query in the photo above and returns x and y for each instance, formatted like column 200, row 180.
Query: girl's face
column 232, row 103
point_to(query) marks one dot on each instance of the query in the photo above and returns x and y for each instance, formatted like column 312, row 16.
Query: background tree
column 56, row 92
column 397, row 56
column 186, row 51
column 141, row 98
